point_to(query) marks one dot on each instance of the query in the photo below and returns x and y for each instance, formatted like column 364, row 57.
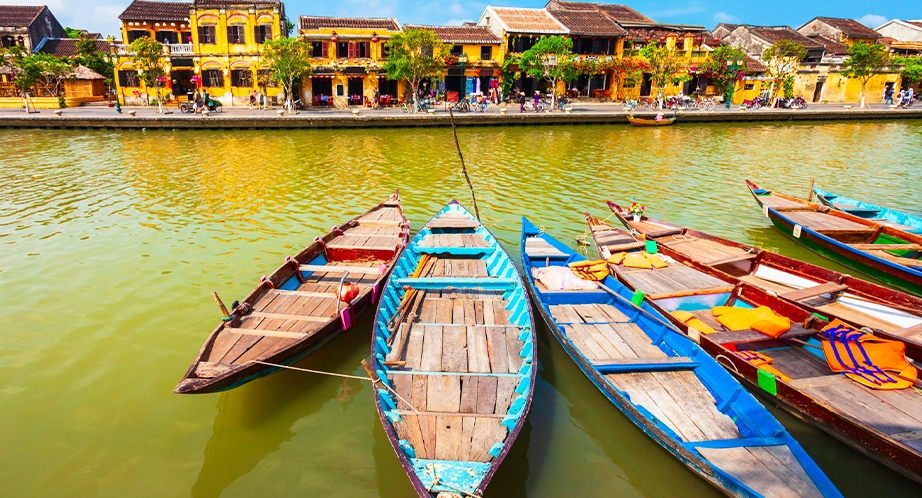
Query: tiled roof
column 886, row 40
column 141, row 10
column 528, row 20
column 915, row 23
column 461, row 34
column 775, row 33
column 15, row 16
column 832, row 47
column 382, row 23
column 850, row 27
column 588, row 23
column 223, row 3
column 67, row 47
column 615, row 12
column 753, row 66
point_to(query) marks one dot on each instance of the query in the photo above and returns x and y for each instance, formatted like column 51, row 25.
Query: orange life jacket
column 866, row 359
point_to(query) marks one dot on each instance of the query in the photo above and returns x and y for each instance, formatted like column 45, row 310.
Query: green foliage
column 88, row 55
column 147, row 56
column 288, row 60
column 29, row 70
column 782, row 58
column 415, row 54
column 550, row 59
column 788, row 87
column 289, row 27
column 912, row 68
column 510, row 72
column 663, row 64
column 724, row 67
column 73, row 33
column 865, row 60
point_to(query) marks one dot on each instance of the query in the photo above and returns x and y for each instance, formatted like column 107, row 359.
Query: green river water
column 111, row 241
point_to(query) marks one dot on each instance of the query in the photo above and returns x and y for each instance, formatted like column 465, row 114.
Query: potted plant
column 636, row 211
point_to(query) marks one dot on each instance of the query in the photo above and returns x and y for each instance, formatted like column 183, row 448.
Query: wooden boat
column 297, row 309
column 454, row 352
column 651, row 122
column 883, row 252
column 885, row 425
column 891, row 314
column 682, row 399
column 877, row 214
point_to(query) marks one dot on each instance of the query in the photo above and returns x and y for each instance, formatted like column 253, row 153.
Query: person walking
column 899, row 98
column 252, row 100
column 206, row 99
column 522, row 100
column 888, row 95
column 537, row 99
column 196, row 102
column 375, row 99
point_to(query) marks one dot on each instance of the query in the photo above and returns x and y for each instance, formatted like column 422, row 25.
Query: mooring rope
column 334, row 374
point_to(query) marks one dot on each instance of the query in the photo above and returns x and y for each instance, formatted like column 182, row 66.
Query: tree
column 865, row 61
column 25, row 73
column 54, row 71
column 510, row 72
column 288, row 60
column 912, row 69
column 781, row 61
column 625, row 71
column 724, row 68
column 550, row 59
column 664, row 65
column 414, row 55
column 88, row 55
column 147, row 56
column 73, row 33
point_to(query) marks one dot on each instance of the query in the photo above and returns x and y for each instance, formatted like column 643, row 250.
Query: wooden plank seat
column 752, row 336
column 629, row 365
column 909, row 262
column 732, row 259
column 457, row 283
column 284, row 316
column 779, row 202
column 453, row 223
column 382, row 223
column 209, row 370
column 267, row 333
column 674, row 281
column 823, row 222
column 540, row 248
column 817, row 290
column 453, row 240
column 655, row 230
column 587, row 313
column 278, row 292
column 370, row 270
column 886, row 247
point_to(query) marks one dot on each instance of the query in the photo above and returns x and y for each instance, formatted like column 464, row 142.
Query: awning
column 455, row 71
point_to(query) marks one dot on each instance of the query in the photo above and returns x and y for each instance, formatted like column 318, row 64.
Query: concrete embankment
column 308, row 119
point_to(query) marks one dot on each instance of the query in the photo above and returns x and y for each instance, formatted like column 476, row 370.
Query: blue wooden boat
column 883, row 252
column 877, row 214
column 453, row 356
column 667, row 385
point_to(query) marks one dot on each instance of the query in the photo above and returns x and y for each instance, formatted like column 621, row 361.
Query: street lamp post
column 462, row 60
column 735, row 65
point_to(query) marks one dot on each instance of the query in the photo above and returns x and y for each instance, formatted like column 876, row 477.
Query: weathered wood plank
column 505, row 392
column 454, row 349
column 469, row 394
column 478, row 357
column 486, row 394
column 444, row 394
column 209, row 370
column 496, row 346
column 487, row 432
column 448, row 438
column 408, row 429
column 432, row 349
column 414, row 356
column 419, row 394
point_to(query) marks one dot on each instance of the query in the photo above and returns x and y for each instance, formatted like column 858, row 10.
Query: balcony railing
column 180, row 48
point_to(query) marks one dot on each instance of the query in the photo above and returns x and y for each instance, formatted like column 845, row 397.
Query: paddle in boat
column 880, row 251
column 679, row 396
column 659, row 120
column 877, row 214
column 453, row 356
column 891, row 314
column 305, row 303
column 856, row 386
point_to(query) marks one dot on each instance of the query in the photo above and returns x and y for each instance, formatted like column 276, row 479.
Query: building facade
column 475, row 59
column 215, row 45
column 27, row 26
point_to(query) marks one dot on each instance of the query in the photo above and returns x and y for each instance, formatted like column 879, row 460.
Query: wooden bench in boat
column 540, row 248
column 908, row 262
column 893, row 224
column 674, row 281
column 654, row 230
column 753, row 336
column 818, row 290
column 780, row 202
column 630, row 365
column 822, row 222
column 370, row 270
column 913, row 333
column 268, row 333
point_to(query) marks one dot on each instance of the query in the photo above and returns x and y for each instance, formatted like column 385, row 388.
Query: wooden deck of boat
column 674, row 280
column 282, row 317
column 653, row 229
column 461, row 354
column 678, row 399
column 707, row 252
column 823, row 222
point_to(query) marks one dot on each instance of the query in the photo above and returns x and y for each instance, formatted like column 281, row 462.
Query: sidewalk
column 582, row 113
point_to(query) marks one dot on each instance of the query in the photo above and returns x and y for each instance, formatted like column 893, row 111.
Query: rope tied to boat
column 335, row 374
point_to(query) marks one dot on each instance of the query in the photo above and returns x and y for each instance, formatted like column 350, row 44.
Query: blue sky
column 102, row 15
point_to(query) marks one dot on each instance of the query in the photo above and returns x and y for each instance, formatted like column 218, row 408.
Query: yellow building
column 347, row 55
column 211, row 44
column 476, row 56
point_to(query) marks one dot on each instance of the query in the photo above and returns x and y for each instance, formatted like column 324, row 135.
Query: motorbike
column 213, row 106
column 793, row 103
column 756, row 102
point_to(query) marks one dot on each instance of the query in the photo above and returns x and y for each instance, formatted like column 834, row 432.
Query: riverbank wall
column 307, row 120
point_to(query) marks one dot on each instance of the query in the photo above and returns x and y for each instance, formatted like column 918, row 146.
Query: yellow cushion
column 655, row 260
column 590, row 270
column 636, row 260
column 616, row 258
column 692, row 321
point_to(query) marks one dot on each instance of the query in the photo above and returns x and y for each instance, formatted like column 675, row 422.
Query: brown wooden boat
column 305, row 303
column 885, row 425
column 651, row 122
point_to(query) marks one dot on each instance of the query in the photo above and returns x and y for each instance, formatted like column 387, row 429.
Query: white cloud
column 872, row 20
column 724, row 17
column 456, row 9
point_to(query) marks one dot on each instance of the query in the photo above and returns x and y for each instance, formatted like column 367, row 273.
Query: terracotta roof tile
column 615, row 12
column 225, row 3
column 461, row 34
column 528, row 20
column 915, row 23
column 67, row 47
column 588, row 23
column 141, row 10
column 15, row 16
column 832, row 47
column 382, row 23
column 753, row 66
column 850, row 27
column 775, row 33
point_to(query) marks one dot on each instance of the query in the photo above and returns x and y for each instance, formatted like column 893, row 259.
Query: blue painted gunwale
column 756, row 425
column 873, row 211
column 501, row 266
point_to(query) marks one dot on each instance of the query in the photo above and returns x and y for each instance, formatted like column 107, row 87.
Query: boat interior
column 286, row 309
column 876, row 214
column 664, row 375
column 457, row 349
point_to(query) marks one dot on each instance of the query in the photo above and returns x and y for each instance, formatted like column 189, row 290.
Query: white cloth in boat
column 561, row 278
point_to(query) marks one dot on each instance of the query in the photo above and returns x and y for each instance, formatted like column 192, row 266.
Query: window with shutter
column 352, row 49
column 325, row 50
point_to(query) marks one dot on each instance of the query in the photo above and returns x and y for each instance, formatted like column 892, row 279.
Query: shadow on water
column 255, row 419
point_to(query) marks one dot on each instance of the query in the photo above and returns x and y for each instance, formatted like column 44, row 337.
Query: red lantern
column 646, row 38
column 374, row 37
column 716, row 40
column 349, row 292
column 334, row 37
column 698, row 39
column 662, row 38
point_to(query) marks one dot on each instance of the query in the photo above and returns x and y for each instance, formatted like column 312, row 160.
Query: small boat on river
column 683, row 399
column 304, row 304
column 877, row 214
column 891, row 314
column 761, row 329
column 651, row 122
column 453, row 356
column 881, row 251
